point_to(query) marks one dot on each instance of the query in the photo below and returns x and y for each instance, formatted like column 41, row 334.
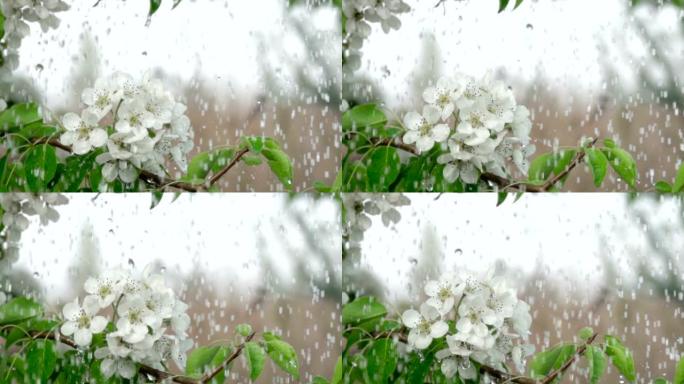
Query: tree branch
column 501, row 182
column 156, row 373
column 505, row 376
column 156, row 181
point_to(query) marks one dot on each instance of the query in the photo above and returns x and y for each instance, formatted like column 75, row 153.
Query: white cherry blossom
column 82, row 132
column 82, row 321
column 424, row 130
column 425, row 326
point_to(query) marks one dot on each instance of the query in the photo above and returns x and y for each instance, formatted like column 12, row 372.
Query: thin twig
column 580, row 351
column 230, row 165
column 153, row 372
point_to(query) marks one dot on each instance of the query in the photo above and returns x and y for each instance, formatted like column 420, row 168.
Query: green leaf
column 679, row 373
column 363, row 117
column 252, row 160
column 622, row 164
column 663, row 187
column 338, row 373
column 382, row 360
column 660, row 380
column 585, row 333
column 517, row 3
column 42, row 359
column 18, row 310
column 205, row 359
column 679, row 180
column 154, row 6
column 37, row 130
column 283, row 355
column 243, row 330
column 609, row 143
column 502, row 5
column 41, row 165
column 501, row 197
column 362, row 309
column 382, row 168
column 320, row 380
column 280, row 165
column 76, row 170
column 547, row 361
column 598, row 163
column 19, row 115
column 255, row 144
column 256, row 358
column 621, row 357
column 157, row 197
column 597, row 363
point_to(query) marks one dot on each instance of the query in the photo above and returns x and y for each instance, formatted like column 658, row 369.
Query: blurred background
column 602, row 260
column 583, row 67
column 267, row 259
column 243, row 67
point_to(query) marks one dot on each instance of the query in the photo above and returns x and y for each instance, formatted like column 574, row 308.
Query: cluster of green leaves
column 203, row 360
column 676, row 187
column 598, row 158
column 595, row 355
column 32, row 162
column 369, row 166
column 371, row 355
column 26, row 358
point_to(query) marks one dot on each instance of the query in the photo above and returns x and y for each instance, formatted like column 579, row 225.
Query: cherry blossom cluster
column 148, row 126
column 16, row 208
column 479, row 121
column 489, row 324
column 18, row 13
column 359, row 15
column 359, row 207
column 149, row 323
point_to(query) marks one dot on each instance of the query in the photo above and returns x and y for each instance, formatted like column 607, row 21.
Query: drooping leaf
column 621, row 357
column 623, row 164
column 256, row 358
column 40, row 166
column 381, row 360
column 598, row 163
column 382, row 168
column 678, row 185
column 283, row 355
column 42, row 359
column 597, row 363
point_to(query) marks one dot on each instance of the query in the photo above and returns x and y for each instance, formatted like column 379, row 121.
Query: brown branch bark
column 227, row 168
column 501, row 182
column 153, row 372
